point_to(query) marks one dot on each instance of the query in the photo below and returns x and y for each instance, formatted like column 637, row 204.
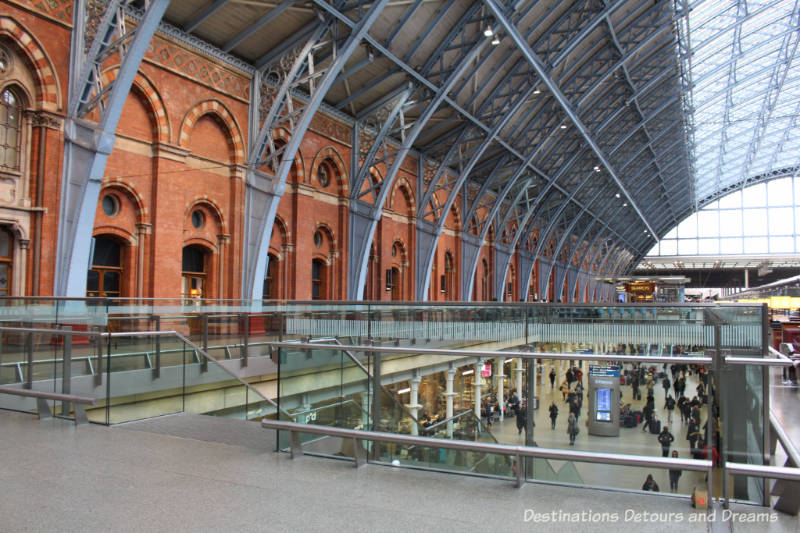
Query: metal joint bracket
column 359, row 453
column 295, row 447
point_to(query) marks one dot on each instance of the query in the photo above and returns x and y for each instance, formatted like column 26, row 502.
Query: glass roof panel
column 746, row 89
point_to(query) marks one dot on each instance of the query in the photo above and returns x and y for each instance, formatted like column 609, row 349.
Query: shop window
column 105, row 276
column 10, row 130
column 6, row 260
column 193, row 267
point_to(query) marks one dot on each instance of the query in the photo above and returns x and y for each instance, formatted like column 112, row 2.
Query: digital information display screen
column 603, row 403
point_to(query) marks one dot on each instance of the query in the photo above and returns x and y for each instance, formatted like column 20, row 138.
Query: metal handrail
column 446, row 420
column 363, row 303
column 47, row 395
column 491, row 354
column 168, row 333
column 788, row 446
column 699, row 465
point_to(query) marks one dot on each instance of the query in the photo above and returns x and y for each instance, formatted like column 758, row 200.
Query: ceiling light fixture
column 536, row 90
column 488, row 32
column 596, row 168
column 616, row 195
column 563, row 126
column 625, row 204
column 495, row 41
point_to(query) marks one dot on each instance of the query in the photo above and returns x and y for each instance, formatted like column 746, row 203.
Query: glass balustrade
column 227, row 367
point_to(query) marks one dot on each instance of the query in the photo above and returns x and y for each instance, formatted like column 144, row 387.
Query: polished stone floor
column 198, row 473
column 220, row 475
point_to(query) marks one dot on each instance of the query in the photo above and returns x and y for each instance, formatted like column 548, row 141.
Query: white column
column 414, row 406
column 451, row 374
column 518, row 377
column 499, row 376
column 478, row 386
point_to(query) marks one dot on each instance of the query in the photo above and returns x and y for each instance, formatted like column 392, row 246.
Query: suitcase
column 622, row 380
column 655, row 426
column 629, row 421
column 637, row 415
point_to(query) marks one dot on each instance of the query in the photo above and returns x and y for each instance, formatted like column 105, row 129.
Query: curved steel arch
column 264, row 191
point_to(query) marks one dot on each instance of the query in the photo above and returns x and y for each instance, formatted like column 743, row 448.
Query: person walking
column 650, row 484
column 553, row 414
column 674, row 475
column 572, row 428
column 669, row 404
column 552, row 378
column 666, row 384
column 575, row 408
column 564, row 390
column 665, row 438
column 522, row 418
column 693, row 434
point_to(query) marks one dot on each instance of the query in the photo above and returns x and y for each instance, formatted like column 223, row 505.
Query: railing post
column 29, row 358
column 157, row 365
column 769, row 441
column 246, row 340
column 376, row 389
column 204, row 360
column 714, row 376
column 98, row 344
column 66, row 370
column 530, row 386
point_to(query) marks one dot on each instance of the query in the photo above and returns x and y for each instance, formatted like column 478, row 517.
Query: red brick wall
column 180, row 148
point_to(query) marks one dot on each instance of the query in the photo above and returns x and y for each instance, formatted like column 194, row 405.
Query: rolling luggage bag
column 655, row 426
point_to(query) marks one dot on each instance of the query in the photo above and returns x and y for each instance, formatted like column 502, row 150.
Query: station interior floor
column 630, row 441
column 201, row 473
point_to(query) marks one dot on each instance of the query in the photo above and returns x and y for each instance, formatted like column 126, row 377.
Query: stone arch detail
column 217, row 108
column 38, row 61
column 299, row 169
column 330, row 153
column 129, row 190
column 324, row 226
column 402, row 182
column 152, row 97
column 211, row 205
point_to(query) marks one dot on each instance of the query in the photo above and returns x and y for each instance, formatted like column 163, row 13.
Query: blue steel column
column 361, row 211
column 87, row 145
column 364, row 220
column 264, row 191
column 427, row 231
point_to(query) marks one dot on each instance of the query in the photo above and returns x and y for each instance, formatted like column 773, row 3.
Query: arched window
column 6, row 260
column 105, row 276
column 193, row 267
column 318, row 285
column 10, row 130
column 448, row 288
column 395, row 284
column 271, row 279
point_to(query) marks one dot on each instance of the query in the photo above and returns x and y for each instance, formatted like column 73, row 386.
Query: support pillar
column 518, row 377
column 499, row 383
column 451, row 374
column 413, row 405
column 478, row 386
